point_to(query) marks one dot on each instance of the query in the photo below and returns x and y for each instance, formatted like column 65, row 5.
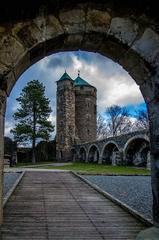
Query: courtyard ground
column 92, row 168
column 128, row 184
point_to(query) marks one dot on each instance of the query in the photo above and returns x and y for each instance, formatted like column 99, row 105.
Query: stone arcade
column 132, row 149
column 125, row 31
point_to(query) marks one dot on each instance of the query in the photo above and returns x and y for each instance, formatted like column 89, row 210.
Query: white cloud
column 8, row 126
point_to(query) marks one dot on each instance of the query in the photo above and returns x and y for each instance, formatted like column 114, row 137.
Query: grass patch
column 95, row 169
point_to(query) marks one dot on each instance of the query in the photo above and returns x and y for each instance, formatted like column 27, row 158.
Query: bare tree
column 102, row 127
column 142, row 121
column 118, row 120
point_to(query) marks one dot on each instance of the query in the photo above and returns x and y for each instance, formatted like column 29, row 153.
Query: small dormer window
column 95, row 109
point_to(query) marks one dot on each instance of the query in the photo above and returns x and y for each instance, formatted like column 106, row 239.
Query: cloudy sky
column 114, row 85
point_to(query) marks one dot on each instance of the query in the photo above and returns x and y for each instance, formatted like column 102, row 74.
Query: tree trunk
column 33, row 152
column 34, row 134
column 153, row 110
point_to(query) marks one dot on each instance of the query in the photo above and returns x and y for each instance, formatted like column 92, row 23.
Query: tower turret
column 65, row 117
column 85, row 110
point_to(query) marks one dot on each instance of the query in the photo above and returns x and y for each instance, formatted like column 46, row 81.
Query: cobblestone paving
column 135, row 191
column 9, row 180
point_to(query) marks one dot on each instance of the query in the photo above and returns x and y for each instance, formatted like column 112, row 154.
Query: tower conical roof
column 65, row 76
column 80, row 82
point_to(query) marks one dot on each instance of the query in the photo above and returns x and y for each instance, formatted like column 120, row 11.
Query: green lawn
column 89, row 168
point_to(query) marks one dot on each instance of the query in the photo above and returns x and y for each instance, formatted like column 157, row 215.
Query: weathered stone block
column 98, row 21
column 3, row 98
column 73, row 21
column 10, row 81
column 22, row 65
column 28, row 34
column 49, row 26
column 3, row 69
column 10, row 50
column 73, row 42
column 112, row 49
column 92, row 42
column 148, row 46
column 135, row 66
column 123, row 29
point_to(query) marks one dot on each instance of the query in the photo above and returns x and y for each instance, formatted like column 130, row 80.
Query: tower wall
column 65, row 119
column 85, row 113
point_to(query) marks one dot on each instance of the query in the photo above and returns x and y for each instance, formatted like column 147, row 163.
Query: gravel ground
column 9, row 180
column 135, row 191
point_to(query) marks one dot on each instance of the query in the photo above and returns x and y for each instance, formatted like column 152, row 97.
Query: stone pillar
column 149, row 160
column 153, row 110
column 100, row 159
column 87, row 155
column 113, row 158
column 2, row 118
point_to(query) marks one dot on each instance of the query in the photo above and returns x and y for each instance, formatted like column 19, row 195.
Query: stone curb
column 115, row 174
column 41, row 165
column 133, row 212
column 9, row 193
column 35, row 170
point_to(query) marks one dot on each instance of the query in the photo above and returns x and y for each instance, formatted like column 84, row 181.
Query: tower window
column 95, row 109
column 88, row 131
column 88, row 117
column 61, row 123
column 62, row 139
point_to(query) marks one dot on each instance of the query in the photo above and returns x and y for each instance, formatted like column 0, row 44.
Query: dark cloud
column 60, row 60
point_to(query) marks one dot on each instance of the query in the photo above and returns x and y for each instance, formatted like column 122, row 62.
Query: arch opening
column 137, row 153
column 111, row 154
column 93, row 154
column 82, row 154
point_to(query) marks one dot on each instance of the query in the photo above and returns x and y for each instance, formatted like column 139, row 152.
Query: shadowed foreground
column 49, row 205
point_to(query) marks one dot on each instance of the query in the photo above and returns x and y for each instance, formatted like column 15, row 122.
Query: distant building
column 10, row 152
column 76, row 114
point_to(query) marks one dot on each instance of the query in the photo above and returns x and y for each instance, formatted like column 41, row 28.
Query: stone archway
column 136, row 152
column 111, row 154
column 82, row 154
column 125, row 32
column 93, row 154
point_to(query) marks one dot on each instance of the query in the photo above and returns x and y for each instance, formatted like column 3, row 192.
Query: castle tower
column 85, row 110
column 65, row 118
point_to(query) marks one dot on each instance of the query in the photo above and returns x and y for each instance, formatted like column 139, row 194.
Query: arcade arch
column 111, row 154
column 93, row 154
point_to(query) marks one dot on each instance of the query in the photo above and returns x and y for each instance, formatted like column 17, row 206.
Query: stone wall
column 65, row 118
column 85, row 113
